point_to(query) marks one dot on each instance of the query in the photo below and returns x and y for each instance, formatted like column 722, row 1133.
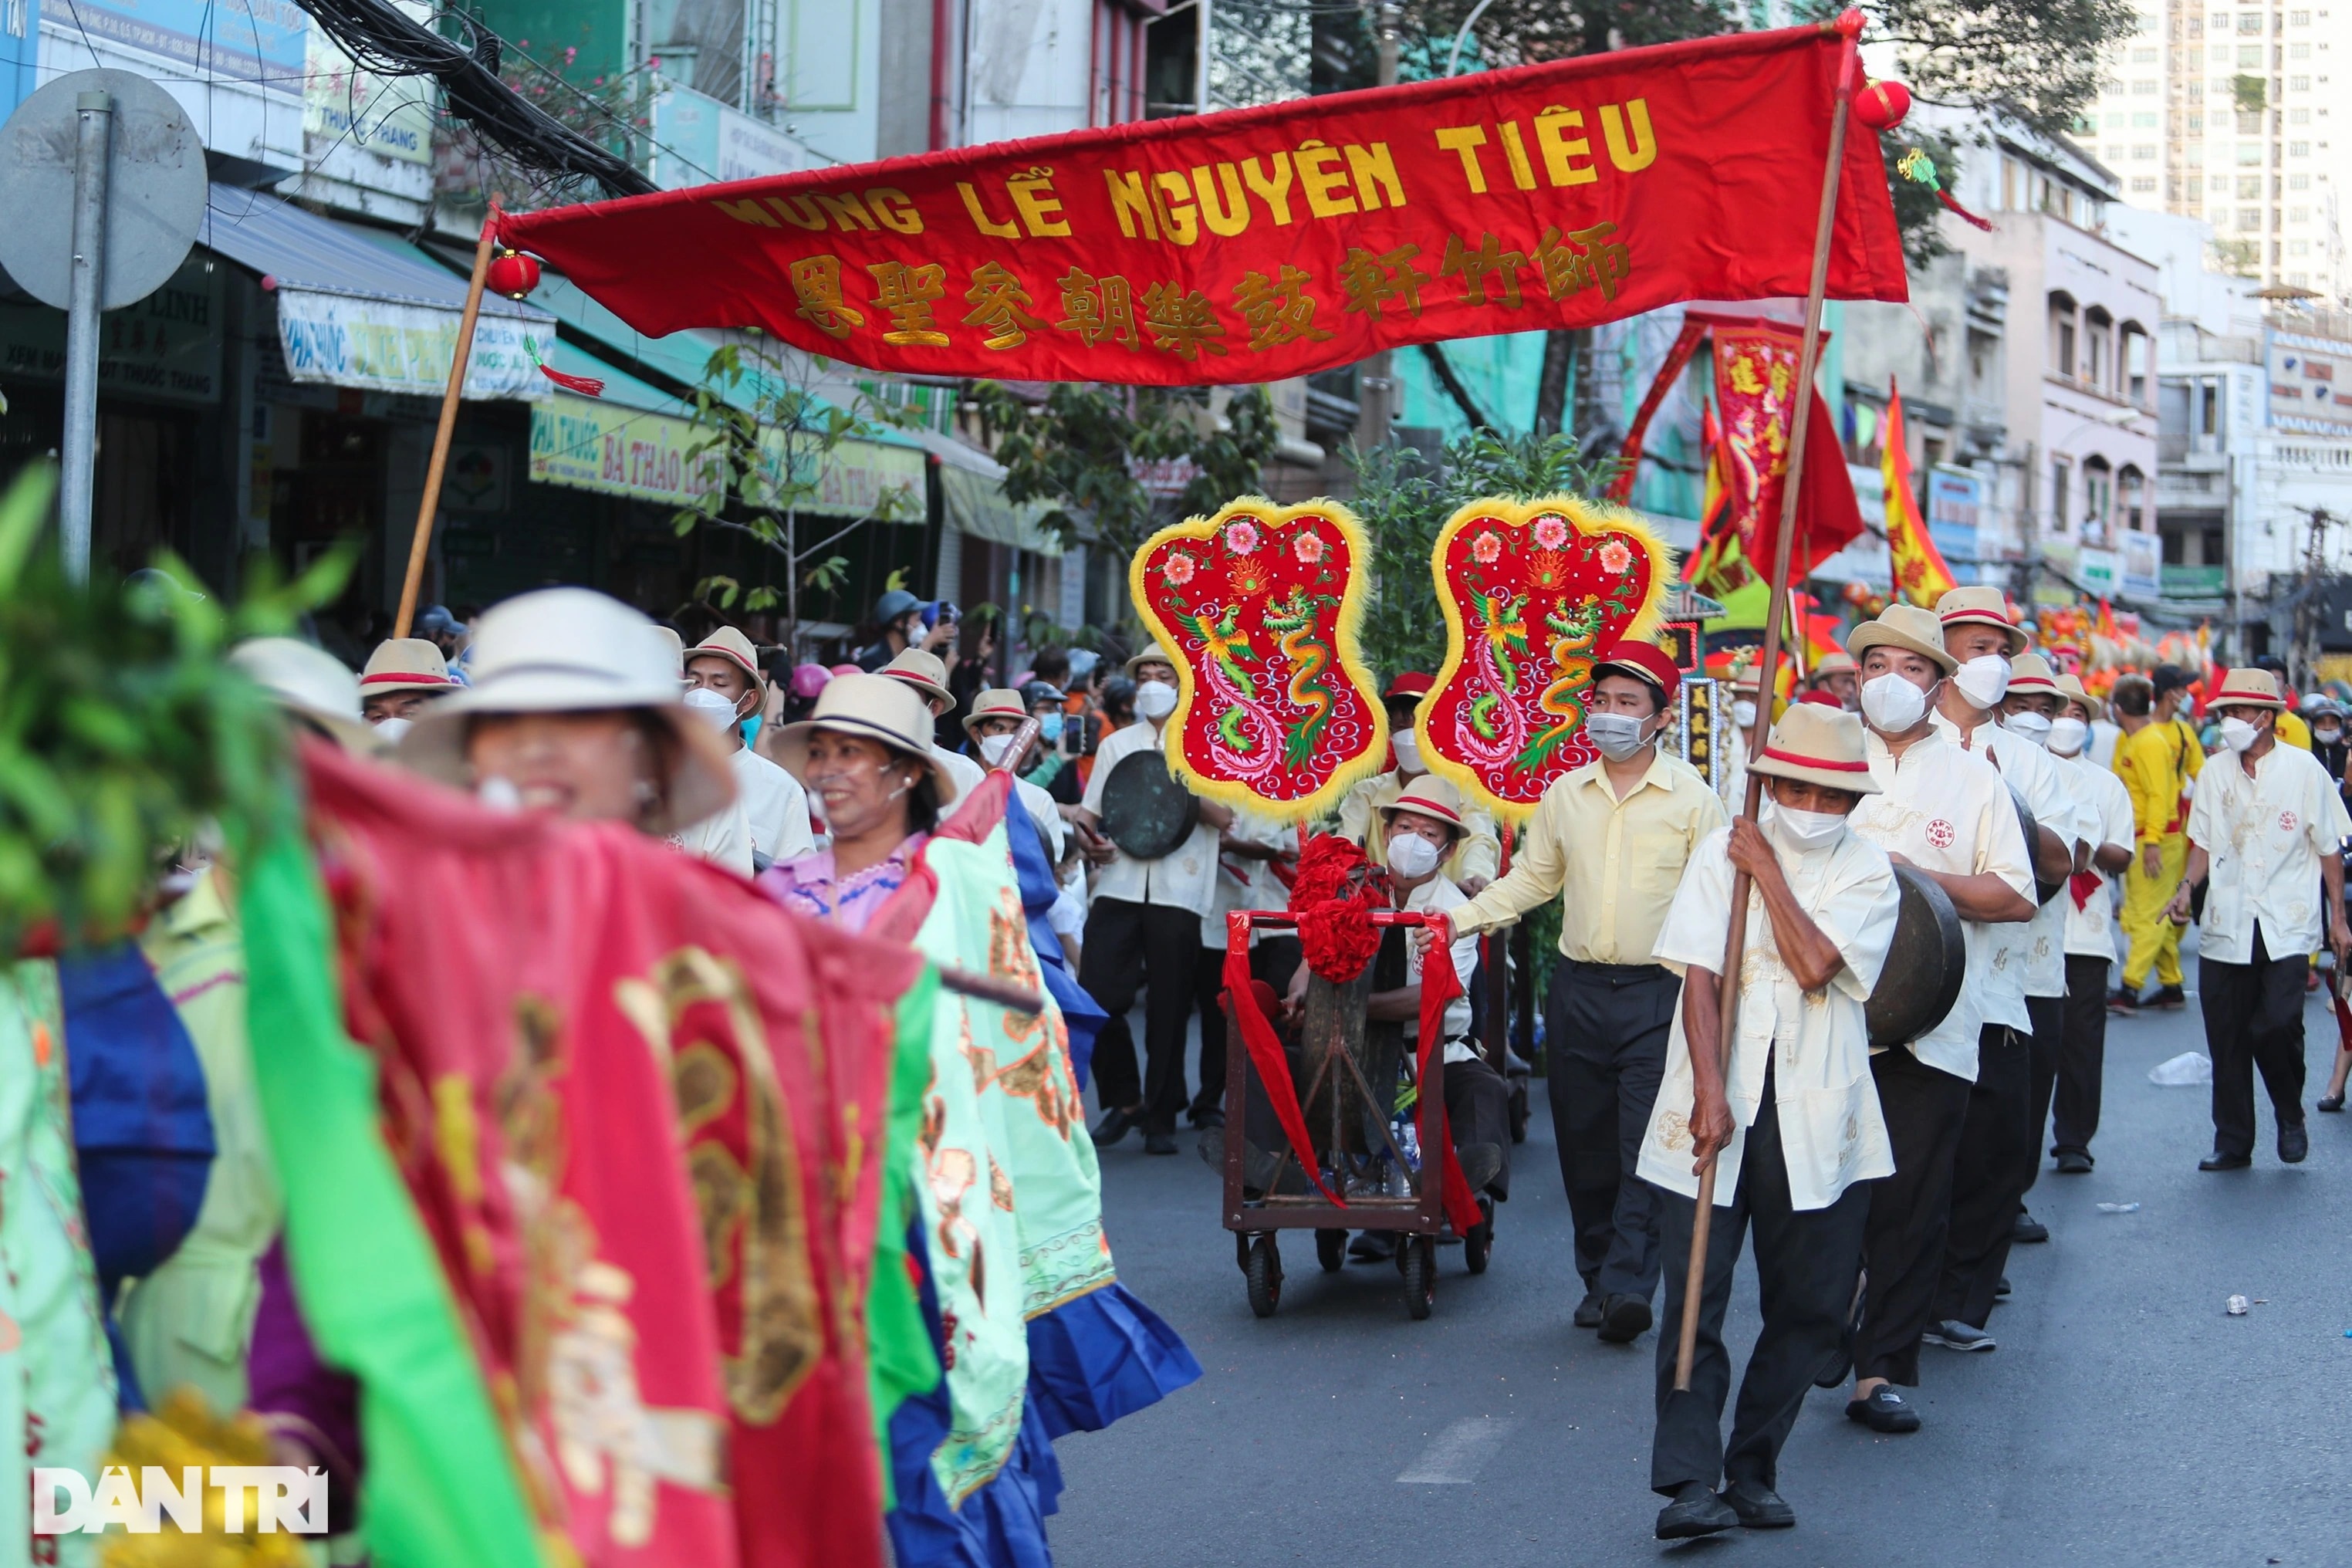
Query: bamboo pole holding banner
column 1775, row 616
column 431, row 501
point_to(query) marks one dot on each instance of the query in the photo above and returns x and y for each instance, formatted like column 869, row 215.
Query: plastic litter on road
column 2238, row 1306
column 2184, row 1071
column 2119, row 1208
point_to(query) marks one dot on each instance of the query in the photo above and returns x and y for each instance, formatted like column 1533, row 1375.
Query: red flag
column 1282, row 239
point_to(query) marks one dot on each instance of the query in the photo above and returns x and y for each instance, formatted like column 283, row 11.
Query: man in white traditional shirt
column 996, row 716
column 1946, row 812
column 1609, row 840
column 2091, row 950
column 2025, row 986
column 927, row 674
column 1143, row 933
column 1793, row 1116
column 2268, row 827
column 774, row 804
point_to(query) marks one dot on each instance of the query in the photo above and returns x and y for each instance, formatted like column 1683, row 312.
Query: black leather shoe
column 1884, row 1411
column 1588, row 1311
column 1696, row 1512
column 2169, row 999
column 2294, row 1144
column 1159, row 1143
column 2331, row 1103
column 1115, row 1125
column 2218, row 1161
column 2000, row 1289
column 1759, row 1506
column 1209, row 1116
column 1373, row 1246
column 2074, row 1163
column 1624, row 1319
column 2026, row 1228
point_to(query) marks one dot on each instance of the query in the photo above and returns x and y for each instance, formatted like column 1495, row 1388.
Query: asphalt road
column 2125, row 1419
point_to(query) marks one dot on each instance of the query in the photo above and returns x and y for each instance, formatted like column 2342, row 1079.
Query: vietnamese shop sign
column 592, row 445
column 384, row 345
column 1275, row 241
column 265, row 42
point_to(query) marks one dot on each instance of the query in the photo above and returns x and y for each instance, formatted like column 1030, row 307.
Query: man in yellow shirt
column 1610, row 841
column 2158, row 760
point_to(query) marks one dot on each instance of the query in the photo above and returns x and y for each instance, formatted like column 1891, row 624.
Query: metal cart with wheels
column 1349, row 1127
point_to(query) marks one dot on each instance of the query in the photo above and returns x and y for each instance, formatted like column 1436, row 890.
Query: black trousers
column 2082, row 1057
column 2254, row 1018
column 1130, row 946
column 1988, row 1175
column 1274, row 960
column 1605, row 1027
column 1478, row 1110
column 2042, row 1053
column 1805, row 1269
column 1910, row 1213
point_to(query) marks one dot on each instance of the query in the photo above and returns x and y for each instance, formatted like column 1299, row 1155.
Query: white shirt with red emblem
column 2032, row 957
column 2266, row 835
column 1946, row 810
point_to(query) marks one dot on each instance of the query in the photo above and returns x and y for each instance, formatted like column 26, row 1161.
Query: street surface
column 2125, row 1419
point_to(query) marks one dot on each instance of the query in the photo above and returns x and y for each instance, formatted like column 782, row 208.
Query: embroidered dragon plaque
column 1258, row 607
column 1532, row 593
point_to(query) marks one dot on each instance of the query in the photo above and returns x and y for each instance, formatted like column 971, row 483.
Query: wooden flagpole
column 1776, row 611
column 431, row 501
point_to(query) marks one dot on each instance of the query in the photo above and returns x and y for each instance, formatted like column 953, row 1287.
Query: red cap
column 1821, row 698
column 1643, row 661
column 1409, row 683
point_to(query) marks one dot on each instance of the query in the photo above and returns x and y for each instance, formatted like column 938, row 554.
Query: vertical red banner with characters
column 1258, row 607
column 1533, row 593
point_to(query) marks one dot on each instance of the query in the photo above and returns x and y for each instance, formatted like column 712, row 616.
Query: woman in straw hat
column 1789, row 1109
column 865, row 754
column 574, row 711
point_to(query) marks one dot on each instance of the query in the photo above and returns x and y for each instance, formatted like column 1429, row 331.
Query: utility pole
column 2311, row 598
column 1376, row 399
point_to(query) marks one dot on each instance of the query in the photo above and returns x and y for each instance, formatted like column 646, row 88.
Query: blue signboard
column 1955, row 512
column 265, row 42
column 20, row 51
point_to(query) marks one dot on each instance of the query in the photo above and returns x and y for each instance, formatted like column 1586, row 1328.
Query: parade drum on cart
column 1925, row 965
column 2042, row 891
column 1145, row 811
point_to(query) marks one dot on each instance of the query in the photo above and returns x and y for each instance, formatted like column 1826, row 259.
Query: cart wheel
column 1264, row 1275
column 1331, row 1250
column 1480, row 1242
column 1420, row 1255
column 1241, row 1250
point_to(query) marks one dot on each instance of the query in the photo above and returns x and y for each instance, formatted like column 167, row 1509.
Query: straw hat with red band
column 1831, row 663
column 732, row 645
column 997, row 702
column 1430, row 797
column 2072, row 692
column 1980, row 607
column 924, row 672
column 1410, row 683
column 405, row 664
column 1817, row 745
column 2246, row 686
column 1645, row 662
column 1905, row 627
column 2030, row 672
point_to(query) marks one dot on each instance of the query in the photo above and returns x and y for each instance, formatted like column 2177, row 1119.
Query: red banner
column 1270, row 242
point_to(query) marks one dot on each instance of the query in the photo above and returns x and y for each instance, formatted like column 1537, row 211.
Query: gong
column 2042, row 891
column 1926, row 963
column 1145, row 811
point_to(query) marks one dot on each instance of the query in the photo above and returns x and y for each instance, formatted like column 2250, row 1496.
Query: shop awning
column 359, row 310
column 976, row 506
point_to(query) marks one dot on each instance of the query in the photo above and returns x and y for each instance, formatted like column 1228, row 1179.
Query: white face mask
column 2029, row 726
column 1803, row 830
column 993, row 747
column 1411, row 856
column 2237, row 734
column 1743, row 713
column 1408, row 752
column 1619, row 735
column 1155, row 700
column 2327, row 736
column 1983, row 680
column 2068, row 736
column 392, row 729
column 710, row 708
column 1892, row 703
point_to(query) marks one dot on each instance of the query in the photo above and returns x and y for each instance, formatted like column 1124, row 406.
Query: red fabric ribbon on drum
column 1334, row 896
column 1273, row 1067
column 1439, row 985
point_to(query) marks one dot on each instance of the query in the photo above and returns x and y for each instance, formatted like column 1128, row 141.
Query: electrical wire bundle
column 382, row 40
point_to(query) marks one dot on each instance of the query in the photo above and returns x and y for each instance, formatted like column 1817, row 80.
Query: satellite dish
column 155, row 188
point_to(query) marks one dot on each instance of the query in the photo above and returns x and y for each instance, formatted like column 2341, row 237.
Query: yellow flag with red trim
column 1920, row 574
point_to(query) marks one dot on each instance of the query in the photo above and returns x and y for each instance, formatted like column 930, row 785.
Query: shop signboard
column 341, row 102
column 593, row 446
column 2100, row 571
column 164, row 349
column 2143, row 565
column 698, row 140
column 1955, row 513
column 2311, row 382
column 384, row 345
column 263, row 42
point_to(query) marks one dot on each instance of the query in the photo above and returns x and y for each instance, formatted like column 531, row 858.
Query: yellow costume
column 2156, row 765
column 2293, row 730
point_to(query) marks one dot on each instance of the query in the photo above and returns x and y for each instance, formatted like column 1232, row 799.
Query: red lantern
column 513, row 273
column 1881, row 105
